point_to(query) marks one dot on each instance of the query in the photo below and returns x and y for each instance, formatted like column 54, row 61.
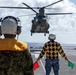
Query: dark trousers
column 52, row 63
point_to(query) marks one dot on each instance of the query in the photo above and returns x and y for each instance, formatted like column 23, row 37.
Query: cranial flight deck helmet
column 52, row 37
column 9, row 25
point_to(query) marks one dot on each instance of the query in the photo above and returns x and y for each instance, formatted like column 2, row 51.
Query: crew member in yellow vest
column 15, row 57
column 52, row 49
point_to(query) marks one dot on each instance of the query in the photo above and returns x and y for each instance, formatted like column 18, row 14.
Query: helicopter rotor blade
column 58, row 13
column 24, row 7
column 32, row 8
column 14, row 7
column 26, row 15
column 29, row 7
column 52, row 3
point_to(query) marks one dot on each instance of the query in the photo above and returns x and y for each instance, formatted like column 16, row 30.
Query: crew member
column 15, row 57
column 52, row 48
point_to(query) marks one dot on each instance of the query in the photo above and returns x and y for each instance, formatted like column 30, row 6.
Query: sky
column 63, row 26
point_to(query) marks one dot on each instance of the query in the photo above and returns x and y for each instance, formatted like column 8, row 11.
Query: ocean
column 40, row 45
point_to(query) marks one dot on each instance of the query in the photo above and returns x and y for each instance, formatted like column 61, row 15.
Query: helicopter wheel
column 47, row 32
column 31, row 34
column 44, row 34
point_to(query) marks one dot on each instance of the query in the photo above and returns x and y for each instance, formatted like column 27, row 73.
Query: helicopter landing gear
column 47, row 32
column 31, row 34
column 44, row 34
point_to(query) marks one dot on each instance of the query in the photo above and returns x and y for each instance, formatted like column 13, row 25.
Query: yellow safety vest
column 12, row 44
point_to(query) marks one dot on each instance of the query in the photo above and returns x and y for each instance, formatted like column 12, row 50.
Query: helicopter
column 39, row 22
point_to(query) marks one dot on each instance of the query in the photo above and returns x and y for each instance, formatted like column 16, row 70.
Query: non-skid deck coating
column 64, row 69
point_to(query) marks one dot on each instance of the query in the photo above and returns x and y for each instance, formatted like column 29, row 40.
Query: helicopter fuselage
column 39, row 26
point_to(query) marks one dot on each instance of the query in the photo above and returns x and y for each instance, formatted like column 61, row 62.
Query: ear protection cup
column 18, row 30
column 49, row 38
column 0, row 26
column 0, row 31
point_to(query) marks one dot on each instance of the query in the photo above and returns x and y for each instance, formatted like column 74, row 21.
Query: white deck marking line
column 42, row 66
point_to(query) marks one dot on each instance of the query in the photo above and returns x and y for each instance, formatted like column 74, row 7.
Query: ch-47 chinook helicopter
column 39, row 23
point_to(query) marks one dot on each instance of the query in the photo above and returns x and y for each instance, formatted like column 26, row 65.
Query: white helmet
column 9, row 25
column 52, row 37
